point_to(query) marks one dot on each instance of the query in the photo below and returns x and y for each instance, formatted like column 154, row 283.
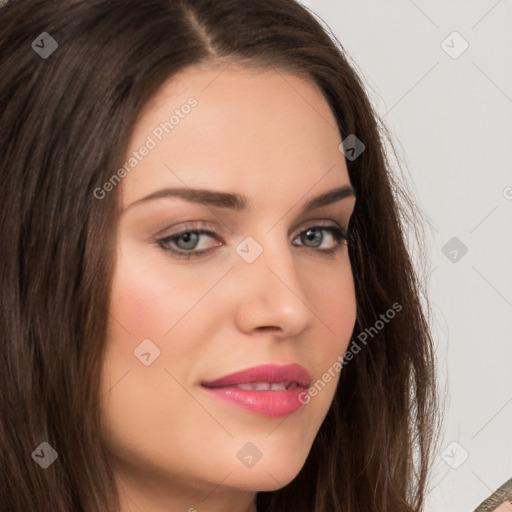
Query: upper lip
column 270, row 373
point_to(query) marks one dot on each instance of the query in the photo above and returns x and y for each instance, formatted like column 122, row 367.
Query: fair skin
column 269, row 136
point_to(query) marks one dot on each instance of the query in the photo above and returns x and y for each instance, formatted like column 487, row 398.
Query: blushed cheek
column 338, row 303
column 141, row 301
column 341, row 313
column 149, row 300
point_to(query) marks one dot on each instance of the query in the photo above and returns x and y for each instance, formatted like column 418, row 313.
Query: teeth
column 244, row 386
column 266, row 386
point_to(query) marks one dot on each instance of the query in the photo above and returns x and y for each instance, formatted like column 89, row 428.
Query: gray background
column 452, row 121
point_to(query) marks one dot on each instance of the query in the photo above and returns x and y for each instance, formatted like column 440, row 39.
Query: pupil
column 315, row 234
column 189, row 240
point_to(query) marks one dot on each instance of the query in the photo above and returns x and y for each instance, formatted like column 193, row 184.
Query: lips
column 268, row 390
column 266, row 386
column 263, row 377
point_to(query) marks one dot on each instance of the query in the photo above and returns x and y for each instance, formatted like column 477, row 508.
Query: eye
column 187, row 241
column 313, row 237
column 184, row 243
column 189, row 238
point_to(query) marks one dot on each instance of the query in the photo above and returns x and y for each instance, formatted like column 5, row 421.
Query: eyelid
column 205, row 226
column 318, row 222
column 186, row 226
column 341, row 234
column 325, row 223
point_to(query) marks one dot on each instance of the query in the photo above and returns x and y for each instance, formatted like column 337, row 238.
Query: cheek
column 157, row 301
column 339, row 305
column 140, row 304
column 147, row 300
column 334, row 300
column 332, row 295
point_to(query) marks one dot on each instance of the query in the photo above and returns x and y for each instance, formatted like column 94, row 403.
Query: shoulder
column 499, row 501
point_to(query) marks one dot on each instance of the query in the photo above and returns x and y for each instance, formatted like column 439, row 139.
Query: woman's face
column 259, row 290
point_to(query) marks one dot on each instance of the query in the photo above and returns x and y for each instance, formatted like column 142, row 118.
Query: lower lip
column 269, row 403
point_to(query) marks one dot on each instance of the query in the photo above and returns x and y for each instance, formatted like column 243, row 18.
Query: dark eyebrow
column 237, row 202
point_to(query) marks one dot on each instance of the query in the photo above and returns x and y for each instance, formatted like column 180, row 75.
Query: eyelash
column 338, row 233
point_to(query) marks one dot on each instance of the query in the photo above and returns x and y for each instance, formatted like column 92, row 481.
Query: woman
column 207, row 299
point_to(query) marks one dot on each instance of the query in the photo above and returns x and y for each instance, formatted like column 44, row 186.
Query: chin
column 271, row 474
column 262, row 481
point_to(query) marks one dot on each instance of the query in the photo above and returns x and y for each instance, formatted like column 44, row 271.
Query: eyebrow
column 238, row 202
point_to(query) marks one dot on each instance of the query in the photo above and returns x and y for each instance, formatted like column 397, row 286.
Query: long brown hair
column 66, row 120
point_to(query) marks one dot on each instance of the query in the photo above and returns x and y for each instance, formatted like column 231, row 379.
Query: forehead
column 251, row 130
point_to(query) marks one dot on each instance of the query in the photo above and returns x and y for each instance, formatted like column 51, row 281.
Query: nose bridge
column 274, row 293
column 268, row 260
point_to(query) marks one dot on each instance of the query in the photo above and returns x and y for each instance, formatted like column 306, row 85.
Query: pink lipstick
column 269, row 390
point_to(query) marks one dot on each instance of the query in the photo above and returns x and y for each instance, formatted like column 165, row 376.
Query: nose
column 270, row 295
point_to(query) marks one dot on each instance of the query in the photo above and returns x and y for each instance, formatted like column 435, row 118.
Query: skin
column 272, row 137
